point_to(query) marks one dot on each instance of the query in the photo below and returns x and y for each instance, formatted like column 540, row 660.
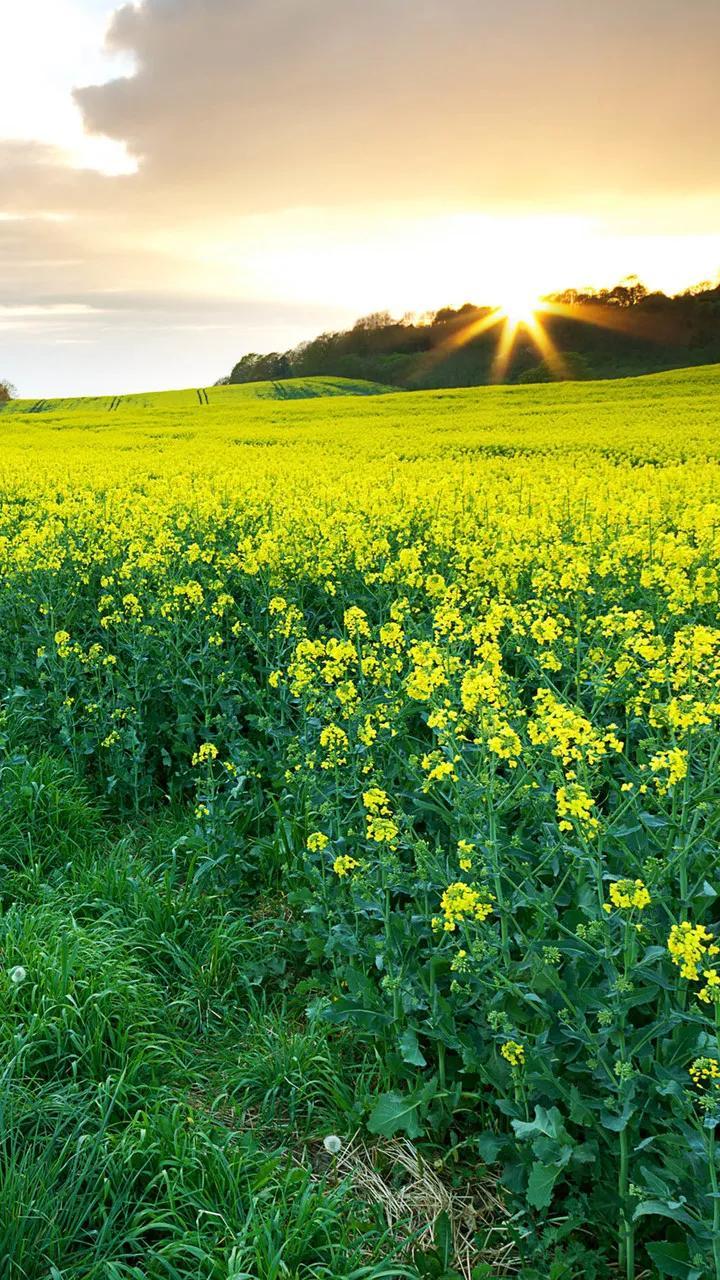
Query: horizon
column 422, row 318
column 185, row 182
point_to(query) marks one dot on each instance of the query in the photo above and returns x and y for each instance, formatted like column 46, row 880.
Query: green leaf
column 349, row 1009
column 662, row 1209
column 443, row 1239
column 410, row 1049
column 540, row 1185
column 489, row 1146
column 579, row 1112
column 652, row 821
column 617, row 1122
column 546, row 1124
column 394, row 1112
column 673, row 1260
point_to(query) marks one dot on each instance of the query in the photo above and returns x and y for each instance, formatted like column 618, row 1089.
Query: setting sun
column 519, row 307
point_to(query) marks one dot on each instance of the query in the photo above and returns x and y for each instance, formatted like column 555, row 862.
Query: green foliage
column 92, row 1190
column 148, row 1021
column 629, row 332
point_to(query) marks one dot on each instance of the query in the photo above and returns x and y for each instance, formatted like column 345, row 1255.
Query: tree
column 646, row 333
column 7, row 391
column 376, row 320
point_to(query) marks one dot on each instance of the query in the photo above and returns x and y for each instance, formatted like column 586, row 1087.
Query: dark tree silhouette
column 603, row 333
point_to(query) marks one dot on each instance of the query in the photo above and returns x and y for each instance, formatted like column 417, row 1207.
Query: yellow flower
column 687, row 945
column 205, row 753
column 381, row 830
column 710, row 993
column 513, row 1053
column 573, row 801
column 376, row 800
column 628, row 895
column 344, row 864
column 355, row 621
column 465, row 850
column 460, row 962
column 462, row 902
column 673, row 764
column 317, row 841
column 334, row 742
column 705, row 1073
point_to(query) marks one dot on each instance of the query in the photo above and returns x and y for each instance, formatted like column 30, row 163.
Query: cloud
column 274, row 103
column 47, row 46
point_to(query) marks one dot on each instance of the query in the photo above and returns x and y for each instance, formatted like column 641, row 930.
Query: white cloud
column 49, row 46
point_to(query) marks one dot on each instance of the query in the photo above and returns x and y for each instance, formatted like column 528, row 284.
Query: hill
column 638, row 417
column 613, row 333
column 219, row 396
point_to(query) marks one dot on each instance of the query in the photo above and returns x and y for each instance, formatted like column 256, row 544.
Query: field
column 359, row 798
column 215, row 398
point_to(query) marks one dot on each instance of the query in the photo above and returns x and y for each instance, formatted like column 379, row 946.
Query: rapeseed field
column 361, row 775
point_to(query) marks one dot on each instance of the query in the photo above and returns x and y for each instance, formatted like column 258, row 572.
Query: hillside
column 626, row 417
column 218, row 396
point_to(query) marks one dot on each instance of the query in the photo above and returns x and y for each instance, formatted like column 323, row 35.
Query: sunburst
column 520, row 313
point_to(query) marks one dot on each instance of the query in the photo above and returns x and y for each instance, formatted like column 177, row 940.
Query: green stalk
column 497, row 882
column 712, row 1169
column 627, row 1239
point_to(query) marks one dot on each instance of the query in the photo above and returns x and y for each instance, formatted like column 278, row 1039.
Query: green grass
column 161, row 1086
column 223, row 397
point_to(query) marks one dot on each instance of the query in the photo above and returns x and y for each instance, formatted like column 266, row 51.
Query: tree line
column 602, row 333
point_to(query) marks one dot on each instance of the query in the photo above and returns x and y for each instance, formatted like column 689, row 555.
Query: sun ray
column 547, row 348
column 504, row 350
column 473, row 330
column 460, row 338
column 618, row 319
column 522, row 313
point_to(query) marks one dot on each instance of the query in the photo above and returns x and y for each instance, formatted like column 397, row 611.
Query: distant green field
column 202, row 397
column 653, row 416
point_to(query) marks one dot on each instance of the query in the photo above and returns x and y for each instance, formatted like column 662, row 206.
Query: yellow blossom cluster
column 688, row 944
column 344, row 864
column 671, row 766
column 316, row 842
column 628, row 895
column 573, row 803
column 513, row 1052
column 705, row 1073
column 461, row 902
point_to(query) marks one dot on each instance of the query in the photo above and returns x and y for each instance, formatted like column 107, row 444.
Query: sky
column 184, row 181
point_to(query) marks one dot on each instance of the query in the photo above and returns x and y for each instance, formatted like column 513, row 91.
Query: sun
column 518, row 318
column 519, row 306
